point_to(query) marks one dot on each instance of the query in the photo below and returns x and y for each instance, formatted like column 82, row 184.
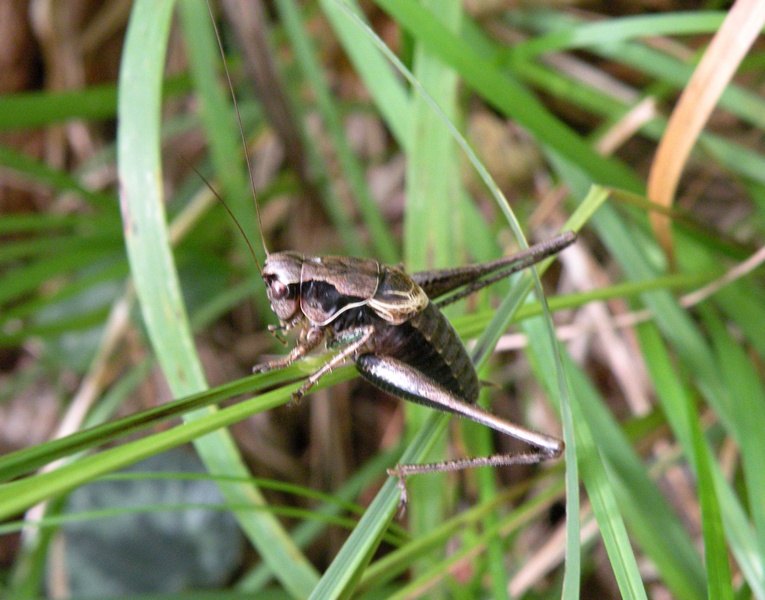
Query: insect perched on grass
column 390, row 324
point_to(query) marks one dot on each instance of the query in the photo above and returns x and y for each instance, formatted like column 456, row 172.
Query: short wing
column 398, row 298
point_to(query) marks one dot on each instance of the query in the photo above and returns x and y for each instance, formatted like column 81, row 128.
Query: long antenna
column 244, row 141
column 230, row 213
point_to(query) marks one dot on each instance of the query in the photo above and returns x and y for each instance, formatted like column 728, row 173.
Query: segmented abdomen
column 429, row 343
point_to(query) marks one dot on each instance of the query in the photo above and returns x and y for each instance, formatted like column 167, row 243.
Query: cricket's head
column 281, row 274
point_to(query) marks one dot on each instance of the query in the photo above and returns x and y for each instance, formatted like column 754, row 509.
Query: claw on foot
column 403, row 497
column 297, row 396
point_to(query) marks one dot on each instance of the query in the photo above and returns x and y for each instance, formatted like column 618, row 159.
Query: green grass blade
column 431, row 203
column 568, row 34
column 340, row 579
column 41, row 173
column 379, row 77
column 219, row 123
column 507, row 95
column 675, row 399
column 38, row 109
column 37, row 489
column 653, row 523
column 610, row 40
column 383, row 244
column 156, row 280
column 719, row 582
column 20, row 495
column 747, row 417
column 594, row 474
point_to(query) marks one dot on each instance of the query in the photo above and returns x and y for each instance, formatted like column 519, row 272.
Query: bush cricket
column 390, row 324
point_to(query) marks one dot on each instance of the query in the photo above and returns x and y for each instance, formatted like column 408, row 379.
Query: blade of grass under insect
column 383, row 244
column 19, row 495
column 117, row 394
column 23, row 461
column 316, row 519
column 156, row 280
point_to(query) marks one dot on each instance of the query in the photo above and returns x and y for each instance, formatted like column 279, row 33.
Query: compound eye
column 279, row 290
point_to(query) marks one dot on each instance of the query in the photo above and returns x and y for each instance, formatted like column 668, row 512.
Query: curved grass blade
column 156, row 279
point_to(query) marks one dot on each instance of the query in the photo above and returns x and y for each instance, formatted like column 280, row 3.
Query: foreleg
column 364, row 333
column 309, row 339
